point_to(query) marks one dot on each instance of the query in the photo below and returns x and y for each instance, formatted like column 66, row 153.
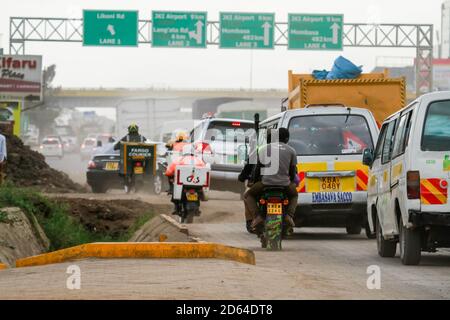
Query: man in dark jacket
column 284, row 163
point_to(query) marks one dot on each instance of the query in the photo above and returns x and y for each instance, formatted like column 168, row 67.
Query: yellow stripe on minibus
column 312, row 184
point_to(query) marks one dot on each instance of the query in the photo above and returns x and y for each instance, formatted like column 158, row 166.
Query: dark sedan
column 103, row 171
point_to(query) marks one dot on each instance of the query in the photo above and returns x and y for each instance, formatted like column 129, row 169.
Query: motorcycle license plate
column 192, row 197
column 112, row 166
column 274, row 208
column 138, row 170
column 330, row 184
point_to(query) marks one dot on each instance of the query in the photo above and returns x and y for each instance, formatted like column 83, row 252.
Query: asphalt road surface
column 314, row 264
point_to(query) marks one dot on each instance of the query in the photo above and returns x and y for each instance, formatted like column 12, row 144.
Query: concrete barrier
column 161, row 228
column 136, row 250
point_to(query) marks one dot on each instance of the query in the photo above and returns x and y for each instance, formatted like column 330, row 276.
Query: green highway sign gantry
column 110, row 28
column 315, row 31
column 176, row 29
column 240, row 30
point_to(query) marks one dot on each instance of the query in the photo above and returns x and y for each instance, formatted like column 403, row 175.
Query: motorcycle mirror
column 256, row 117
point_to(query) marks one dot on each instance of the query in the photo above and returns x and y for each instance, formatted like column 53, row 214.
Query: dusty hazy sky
column 144, row 66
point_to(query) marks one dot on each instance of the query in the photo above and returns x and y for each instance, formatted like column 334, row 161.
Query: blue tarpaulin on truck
column 342, row 69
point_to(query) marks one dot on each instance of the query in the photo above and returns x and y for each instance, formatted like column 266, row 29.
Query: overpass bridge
column 152, row 107
column 111, row 97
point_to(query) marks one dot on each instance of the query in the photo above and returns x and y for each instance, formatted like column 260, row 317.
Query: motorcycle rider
column 285, row 176
column 188, row 157
column 181, row 139
column 132, row 136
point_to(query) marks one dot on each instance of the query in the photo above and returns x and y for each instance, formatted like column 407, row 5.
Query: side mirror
column 368, row 157
column 99, row 143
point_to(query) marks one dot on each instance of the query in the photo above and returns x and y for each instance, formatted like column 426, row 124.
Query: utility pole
column 251, row 69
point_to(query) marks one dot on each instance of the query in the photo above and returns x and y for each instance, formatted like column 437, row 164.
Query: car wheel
column 369, row 233
column 410, row 245
column 353, row 228
column 98, row 188
column 386, row 248
column 157, row 184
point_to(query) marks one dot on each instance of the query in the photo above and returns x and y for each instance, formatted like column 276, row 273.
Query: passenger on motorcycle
column 132, row 136
column 277, row 166
column 181, row 140
column 188, row 157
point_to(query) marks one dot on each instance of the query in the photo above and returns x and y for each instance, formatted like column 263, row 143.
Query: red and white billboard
column 441, row 74
column 21, row 76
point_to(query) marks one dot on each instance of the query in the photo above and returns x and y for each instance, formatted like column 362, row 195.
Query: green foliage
column 3, row 217
column 60, row 227
column 143, row 219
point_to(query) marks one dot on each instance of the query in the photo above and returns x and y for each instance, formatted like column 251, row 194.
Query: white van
column 408, row 179
column 329, row 141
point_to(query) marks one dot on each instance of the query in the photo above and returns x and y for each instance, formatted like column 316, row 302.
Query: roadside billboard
column 21, row 77
column 441, row 74
column 10, row 111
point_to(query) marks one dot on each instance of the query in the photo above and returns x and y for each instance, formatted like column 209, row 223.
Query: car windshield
column 104, row 138
column 107, row 149
column 89, row 142
column 329, row 134
column 228, row 131
column 436, row 133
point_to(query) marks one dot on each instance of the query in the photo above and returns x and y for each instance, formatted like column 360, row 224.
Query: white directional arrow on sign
column 198, row 35
column 335, row 27
column 266, row 27
column 111, row 30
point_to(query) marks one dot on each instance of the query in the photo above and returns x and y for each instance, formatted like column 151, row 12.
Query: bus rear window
column 329, row 134
column 436, row 132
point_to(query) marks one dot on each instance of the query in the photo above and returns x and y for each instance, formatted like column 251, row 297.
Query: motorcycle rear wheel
column 190, row 216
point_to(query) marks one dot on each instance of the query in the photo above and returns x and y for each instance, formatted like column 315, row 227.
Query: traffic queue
column 320, row 162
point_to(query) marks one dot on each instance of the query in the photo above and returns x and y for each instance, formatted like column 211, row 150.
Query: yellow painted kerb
column 184, row 250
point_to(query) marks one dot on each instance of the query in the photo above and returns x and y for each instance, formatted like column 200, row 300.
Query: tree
column 44, row 114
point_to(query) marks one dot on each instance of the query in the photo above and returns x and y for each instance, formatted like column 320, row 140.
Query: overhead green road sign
column 315, row 31
column 246, row 30
column 110, row 28
column 175, row 29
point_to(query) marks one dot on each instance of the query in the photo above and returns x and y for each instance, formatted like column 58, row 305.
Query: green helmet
column 133, row 128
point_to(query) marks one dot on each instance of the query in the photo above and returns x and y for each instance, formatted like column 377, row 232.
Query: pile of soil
column 113, row 217
column 27, row 168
